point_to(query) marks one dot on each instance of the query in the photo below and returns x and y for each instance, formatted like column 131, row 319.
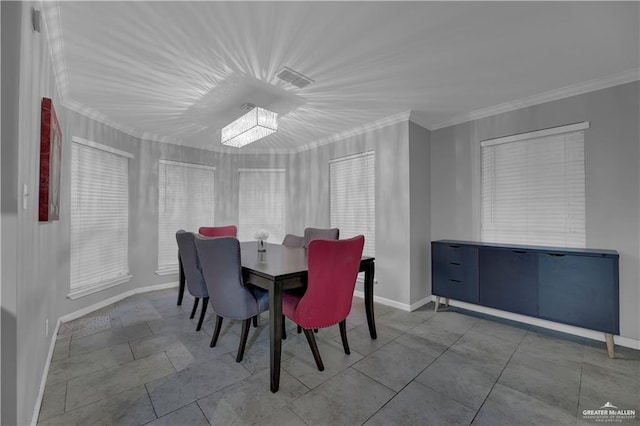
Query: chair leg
column 205, row 303
column 314, row 348
column 255, row 321
column 216, row 332
column 195, row 308
column 246, row 325
column 299, row 329
column 284, row 329
column 343, row 334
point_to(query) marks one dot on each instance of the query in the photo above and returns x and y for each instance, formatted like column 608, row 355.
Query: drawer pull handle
column 519, row 251
column 454, row 246
column 455, row 281
column 556, row 254
column 454, row 263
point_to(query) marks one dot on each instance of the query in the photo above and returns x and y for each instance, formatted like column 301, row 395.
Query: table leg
column 369, row 272
column 275, row 334
column 182, row 281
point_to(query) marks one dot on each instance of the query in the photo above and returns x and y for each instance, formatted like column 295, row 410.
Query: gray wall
column 612, row 177
column 310, row 200
column 420, row 212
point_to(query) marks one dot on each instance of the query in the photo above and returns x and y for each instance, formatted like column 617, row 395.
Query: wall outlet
column 46, row 328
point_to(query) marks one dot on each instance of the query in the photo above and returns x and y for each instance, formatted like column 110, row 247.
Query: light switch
column 25, row 194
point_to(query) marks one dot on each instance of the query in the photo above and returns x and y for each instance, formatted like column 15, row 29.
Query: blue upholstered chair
column 230, row 297
column 311, row 234
column 291, row 240
column 191, row 272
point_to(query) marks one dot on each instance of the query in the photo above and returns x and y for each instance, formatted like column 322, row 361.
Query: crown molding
column 365, row 128
column 552, row 95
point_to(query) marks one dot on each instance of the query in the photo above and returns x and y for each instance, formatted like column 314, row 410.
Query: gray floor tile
column 600, row 385
column 189, row 415
column 282, row 417
column 87, row 363
column 197, row 381
column 507, row 407
column 53, row 400
column 452, row 321
column 131, row 407
column 360, row 340
column 302, row 366
column 427, row 347
column 348, row 398
column 250, row 400
column 460, row 377
column 394, row 365
column 435, row 333
column 419, row 405
column 399, row 320
column 551, row 348
column 61, row 349
column 105, row 383
column 107, row 338
column 557, row 385
column 500, row 330
column 492, row 350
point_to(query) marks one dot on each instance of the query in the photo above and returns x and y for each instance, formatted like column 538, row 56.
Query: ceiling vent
column 294, row 77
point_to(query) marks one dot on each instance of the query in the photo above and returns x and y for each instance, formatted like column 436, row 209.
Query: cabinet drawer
column 454, row 271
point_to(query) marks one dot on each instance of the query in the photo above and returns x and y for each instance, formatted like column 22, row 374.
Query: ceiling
column 179, row 71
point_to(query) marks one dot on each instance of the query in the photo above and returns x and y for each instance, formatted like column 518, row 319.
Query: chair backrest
column 222, row 270
column 218, row 231
column 333, row 270
column 190, row 263
column 311, row 234
column 291, row 240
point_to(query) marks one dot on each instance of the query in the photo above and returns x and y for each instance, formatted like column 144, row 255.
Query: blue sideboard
column 577, row 287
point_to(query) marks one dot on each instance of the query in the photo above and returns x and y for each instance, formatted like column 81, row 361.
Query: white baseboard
column 75, row 315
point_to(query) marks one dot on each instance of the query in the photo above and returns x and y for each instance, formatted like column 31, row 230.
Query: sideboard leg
column 446, row 301
column 610, row 345
column 437, row 303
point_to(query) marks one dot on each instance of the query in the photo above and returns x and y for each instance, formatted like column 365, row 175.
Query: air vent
column 294, row 77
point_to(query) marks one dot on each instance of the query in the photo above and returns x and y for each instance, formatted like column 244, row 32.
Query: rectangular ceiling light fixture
column 254, row 125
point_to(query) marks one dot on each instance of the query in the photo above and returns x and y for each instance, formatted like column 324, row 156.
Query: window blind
column 186, row 201
column 99, row 217
column 352, row 198
column 533, row 188
column 262, row 203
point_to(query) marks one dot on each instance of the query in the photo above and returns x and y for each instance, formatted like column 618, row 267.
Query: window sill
column 163, row 272
column 87, row 290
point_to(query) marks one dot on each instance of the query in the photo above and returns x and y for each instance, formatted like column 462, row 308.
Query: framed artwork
column 50, row 163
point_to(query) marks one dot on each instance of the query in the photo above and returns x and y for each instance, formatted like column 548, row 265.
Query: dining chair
column 230, row 297
column 190, row 272
column 333, row 270
column 311, row 234
column 219, row 231
column 291, row 240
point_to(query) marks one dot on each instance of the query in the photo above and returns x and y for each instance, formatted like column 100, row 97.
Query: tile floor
column 141, row 362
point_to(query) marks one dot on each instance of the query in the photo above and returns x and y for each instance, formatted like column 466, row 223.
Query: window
column 186, row 201
column 533, row 188
column 99, row 217
column 353, row 198
column 262, row 203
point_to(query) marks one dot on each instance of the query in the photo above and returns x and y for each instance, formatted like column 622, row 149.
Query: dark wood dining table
column 282, row 268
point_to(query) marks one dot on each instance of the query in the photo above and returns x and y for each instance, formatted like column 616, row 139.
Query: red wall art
column 50, row 162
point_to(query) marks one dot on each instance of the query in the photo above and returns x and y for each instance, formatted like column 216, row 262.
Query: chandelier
column 254, row 125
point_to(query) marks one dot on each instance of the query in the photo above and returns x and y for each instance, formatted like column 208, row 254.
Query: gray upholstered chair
column 291, row 240
column 311, row 234
column 230, row 297
column 191, row 272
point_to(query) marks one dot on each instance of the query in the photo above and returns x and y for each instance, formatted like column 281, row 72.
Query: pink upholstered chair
column 333, row 269
column 219, row 231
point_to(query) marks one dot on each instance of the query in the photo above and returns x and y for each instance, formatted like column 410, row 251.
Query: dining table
column 281, row 268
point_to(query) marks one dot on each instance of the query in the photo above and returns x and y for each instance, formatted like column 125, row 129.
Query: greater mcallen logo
column 609, row 413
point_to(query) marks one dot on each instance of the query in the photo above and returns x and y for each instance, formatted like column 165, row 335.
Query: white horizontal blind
column 262, row 203
column 99, row 217
column 186, row 201
column 533, row 190
column 353, row 198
